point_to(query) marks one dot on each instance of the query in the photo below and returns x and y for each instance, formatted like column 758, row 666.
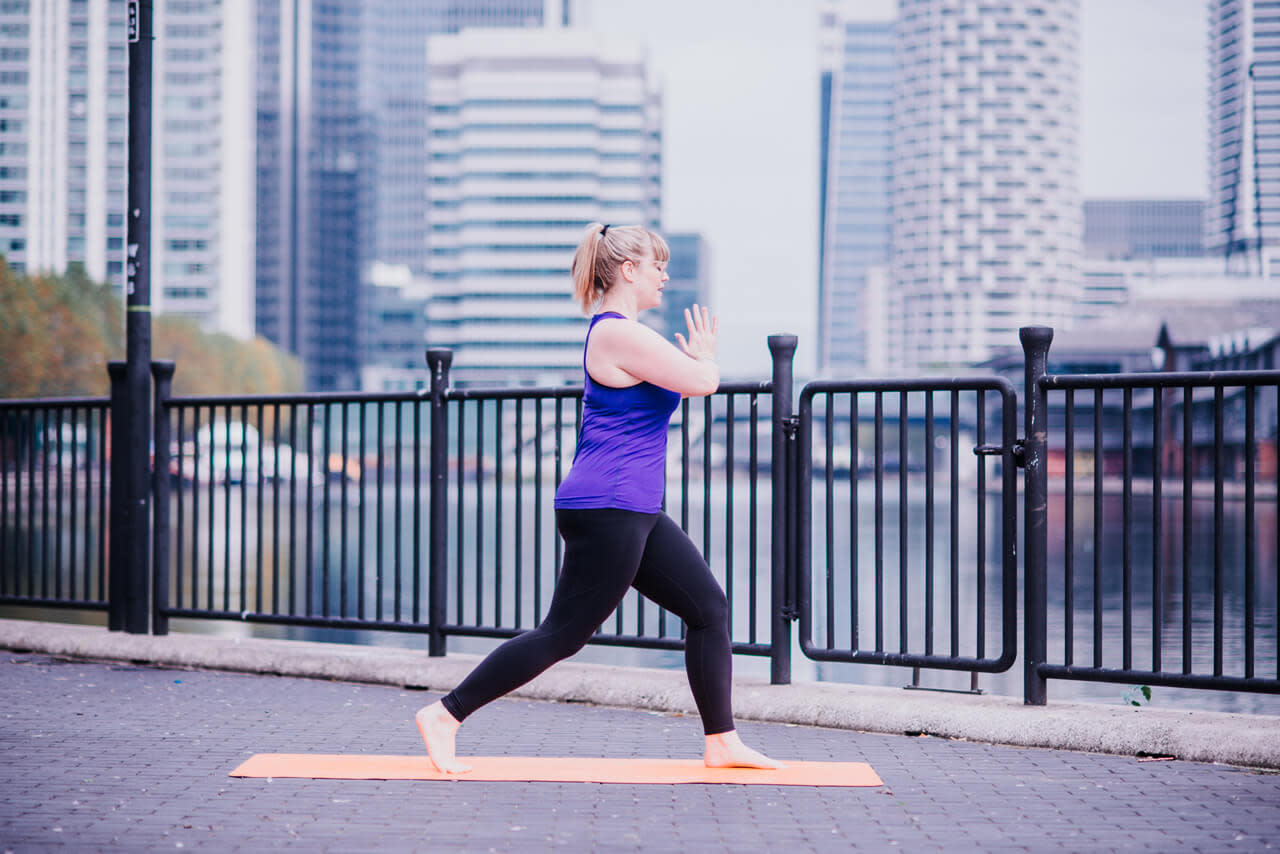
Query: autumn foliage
column 57, row 334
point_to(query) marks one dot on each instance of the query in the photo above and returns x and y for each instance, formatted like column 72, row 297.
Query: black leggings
column 607, row 551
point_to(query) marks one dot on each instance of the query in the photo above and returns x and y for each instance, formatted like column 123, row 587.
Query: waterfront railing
column 879, row 518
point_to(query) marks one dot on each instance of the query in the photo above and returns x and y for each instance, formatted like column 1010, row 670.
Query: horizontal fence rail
column 1187, row 464
column 893, row 457
column 54, row 495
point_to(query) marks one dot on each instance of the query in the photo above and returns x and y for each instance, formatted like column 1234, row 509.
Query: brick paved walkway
column 109, row 757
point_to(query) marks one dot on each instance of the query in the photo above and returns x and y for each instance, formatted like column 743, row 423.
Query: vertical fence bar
column 782, row 349
column 954, row 531
column 830, row 520
column 1157, row 527
column 1188, row 459
column 377, row 514
column 163, row 374
column 1249, row 569
column 1126, row 532
column 438, row 361
column 1035, row 346
column 854, row 453
column 1069, row 532
column 878, row 517
column 102, row 505
column 537, row 510
column 1219, row 532
column 56, row 530
column 1099, row 468
column 417, row 517
column 116, row 582
column 928, row 522
column 518, row 523
column 981, row 513
column 753, row 515
column 903, row 524
column 360, row 518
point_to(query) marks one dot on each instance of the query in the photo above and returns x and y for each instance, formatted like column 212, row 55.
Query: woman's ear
column 628, row 269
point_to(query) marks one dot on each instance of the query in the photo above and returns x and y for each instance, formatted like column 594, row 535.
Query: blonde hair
column 601, row 254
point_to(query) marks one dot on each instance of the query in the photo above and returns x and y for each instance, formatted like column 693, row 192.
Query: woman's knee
column 713, row 609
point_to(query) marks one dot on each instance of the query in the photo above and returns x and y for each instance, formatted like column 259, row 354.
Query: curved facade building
column 987, row 208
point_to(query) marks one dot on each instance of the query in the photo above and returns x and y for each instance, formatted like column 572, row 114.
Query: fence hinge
column 791, row 426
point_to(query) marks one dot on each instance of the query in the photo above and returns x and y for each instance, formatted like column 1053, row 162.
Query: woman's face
column 649, row 276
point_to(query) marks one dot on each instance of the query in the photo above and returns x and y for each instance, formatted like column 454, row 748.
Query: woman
column 609, row 507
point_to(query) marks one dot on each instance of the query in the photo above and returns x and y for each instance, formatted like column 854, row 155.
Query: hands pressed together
column 701, row 343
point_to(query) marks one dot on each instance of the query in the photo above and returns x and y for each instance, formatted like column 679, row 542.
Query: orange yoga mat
column 553, row 770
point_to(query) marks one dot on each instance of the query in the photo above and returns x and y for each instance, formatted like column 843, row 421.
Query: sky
column 740, row 148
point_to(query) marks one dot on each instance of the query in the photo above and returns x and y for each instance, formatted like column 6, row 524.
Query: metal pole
column 438, row 361
column 163, row 371
column 1035, row 347
column 138, row 320
column 782, row 348
column 116, row 508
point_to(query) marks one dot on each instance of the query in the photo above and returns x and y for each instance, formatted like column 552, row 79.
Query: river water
column 835, row 597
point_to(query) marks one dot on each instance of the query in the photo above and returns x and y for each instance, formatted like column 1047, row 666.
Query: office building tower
column 532, row 135
column 1242, row 222
column 63, row 136
column 341, row 136
column 855, row 182
column 689, row 282
column 1143, row 228
column 987, row 212
column 393, row 91
column 203, row 204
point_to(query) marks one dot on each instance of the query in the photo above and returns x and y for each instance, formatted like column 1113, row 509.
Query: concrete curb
column 1247, row 740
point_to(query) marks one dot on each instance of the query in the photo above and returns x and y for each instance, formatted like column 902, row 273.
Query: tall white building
column 532, row 135
column 203, row 173
column 63, row 135
column 1242, row 220
column 987, row 213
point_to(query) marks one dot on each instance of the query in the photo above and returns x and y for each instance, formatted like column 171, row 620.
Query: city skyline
column 740, row 150
column 1143, row 135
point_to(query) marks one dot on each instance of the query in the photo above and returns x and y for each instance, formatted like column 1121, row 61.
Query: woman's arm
column 622, row 353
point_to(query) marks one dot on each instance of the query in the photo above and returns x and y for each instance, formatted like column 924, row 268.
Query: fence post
column 1035, row 347
column 117, row 509
column 162, row 371
column 782, row 348
column 438, row 361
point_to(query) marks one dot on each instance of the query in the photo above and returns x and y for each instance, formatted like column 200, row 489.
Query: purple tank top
column 622, row 449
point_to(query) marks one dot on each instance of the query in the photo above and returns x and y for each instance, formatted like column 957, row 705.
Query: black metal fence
column 54, row 494
column 1165, row 453
column 879, row 515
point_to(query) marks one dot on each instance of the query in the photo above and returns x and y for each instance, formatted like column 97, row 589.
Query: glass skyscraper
column 1242, row 221
column 856, row 181
column 341, row 138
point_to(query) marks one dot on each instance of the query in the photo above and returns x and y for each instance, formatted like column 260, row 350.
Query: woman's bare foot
column 726, row 750
column 439, row 729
